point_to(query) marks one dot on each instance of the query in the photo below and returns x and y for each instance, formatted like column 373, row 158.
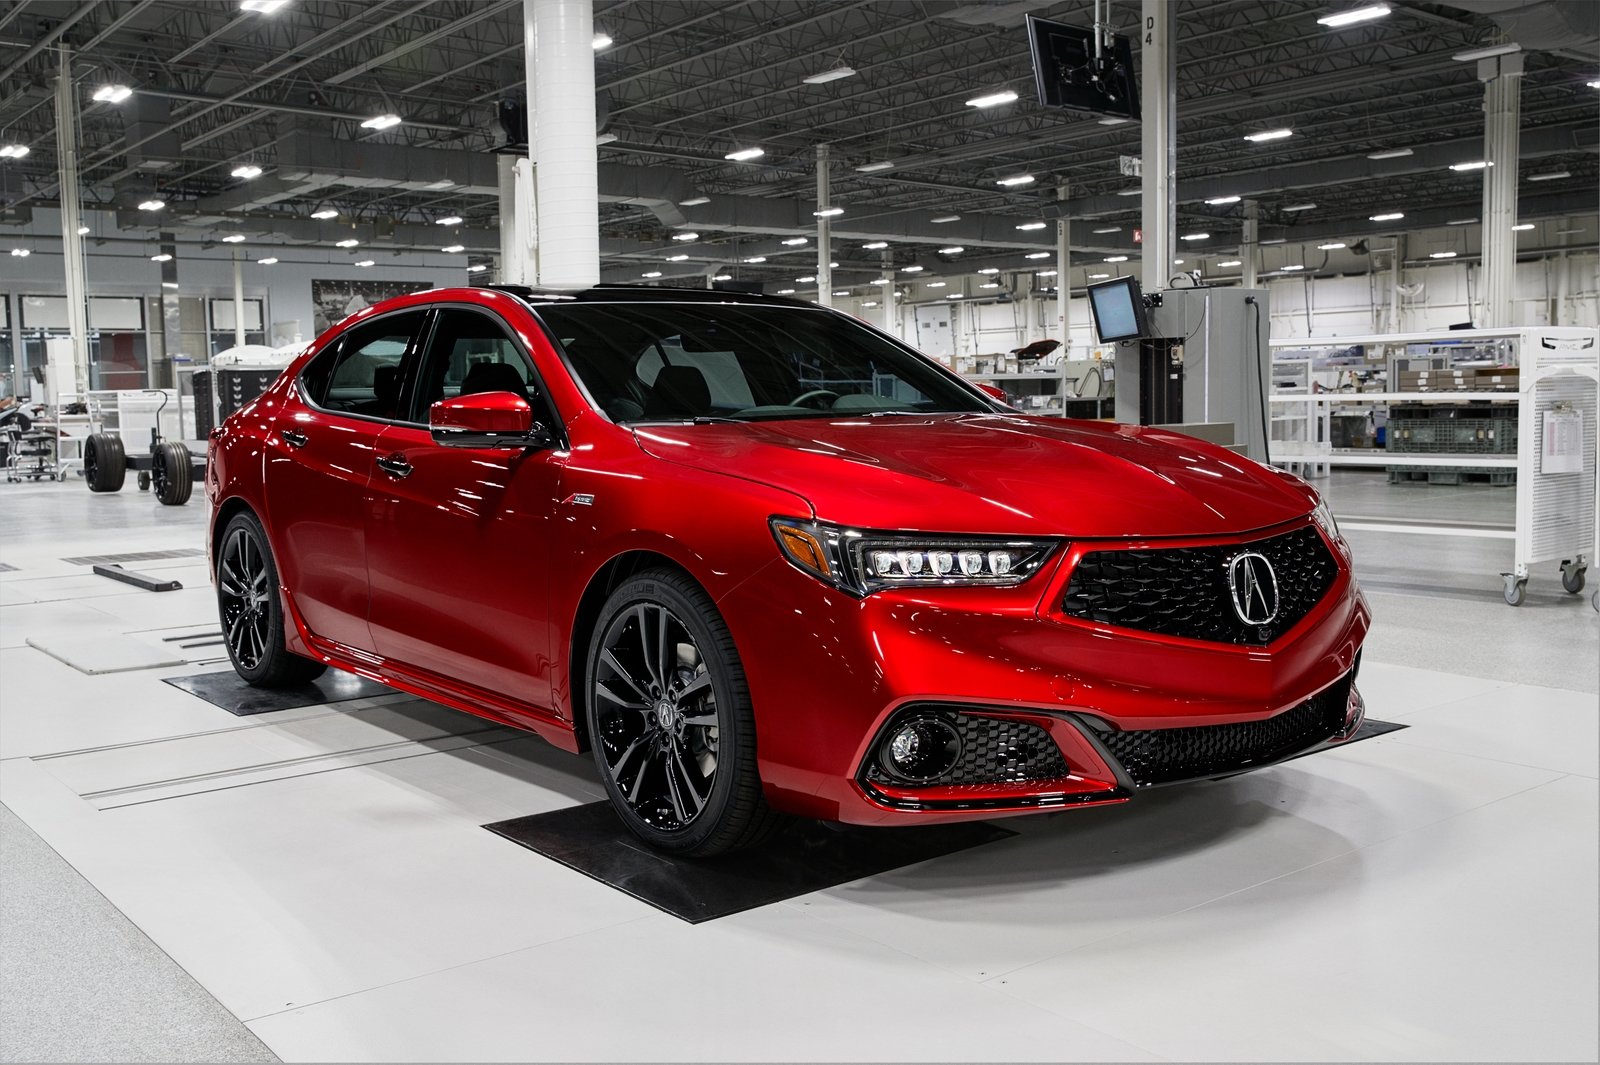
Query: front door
column 458, row 538
column 319, row 463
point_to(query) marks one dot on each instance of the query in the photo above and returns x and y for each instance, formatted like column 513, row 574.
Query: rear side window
column 362, row 374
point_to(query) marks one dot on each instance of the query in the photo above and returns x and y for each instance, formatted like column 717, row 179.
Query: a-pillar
column 1063, row 276
column 71, row 222
column 561, row 140
column 1502, row 105
column 824, row 229
column 1158, row 83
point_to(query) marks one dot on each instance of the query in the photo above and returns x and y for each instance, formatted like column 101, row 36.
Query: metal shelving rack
column 1050, row 400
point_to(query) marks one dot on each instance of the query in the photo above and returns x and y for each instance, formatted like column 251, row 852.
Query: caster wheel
column 144, row 481
column 1516, row 592
column 1573, row 580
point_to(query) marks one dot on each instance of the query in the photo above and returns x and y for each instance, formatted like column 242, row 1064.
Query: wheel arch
column 227, row 510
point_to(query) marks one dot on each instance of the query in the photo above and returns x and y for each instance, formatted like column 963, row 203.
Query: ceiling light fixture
column 605, row 138
column 1301, row 207
column 1477, row 164
column 1390, row 216
column 1292, row 269
column 1013, row 182
column 233, row 238
column 942, row 219
column 1574, row 231
column 601, row 41
column 1329, row 247
column 1442, row 255
column 382, row 122
column 1098, row 277
column 694, row 201
column 1109, row 229
column 1218, row 201
column 870, row 303
column 453, row 249
column 1350, row 18
column 756, row 259
column 1274, row 240
column 268, row 261
column 1390, row 153
column 685, row 236
column 786, row 292
column 1045, row 273
column 841, row 292
column 1461, row 222
column 248, row 171
column 993, row 99
column 745, row 154
column 161, row 258
column 83, row 231
column 1550, row 175
column 954, row 249
column 1522, row 227
column 1268, row 135
column 112, row 94
column 937, row 284
column 1195, row 236
column 1486, row 52
column 723, row 277
column 651, row 273
column 829, row 75
column 876, row 245
column 988, row 271
column 348, row 242
column 477, row 268
column 325, row 214
column 1231, row 262
column 869, row 168
column 369, row 262
column 1135, row 191
column 1038, row 255
column 794, row 242
column 448, row 220
column 152, row 205
column 261, row 7
column 1031, row 225
column 953, row 296
column 911, row 269
column 808, row 279
column 881, row 281
column 21, row 253
column 828, row 212
column 14, row 151
column 1116, row 259
column 990, row 284
column 677, row 258
column 1112, row 120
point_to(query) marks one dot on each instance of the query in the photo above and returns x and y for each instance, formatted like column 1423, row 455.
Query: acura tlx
column 763, row 560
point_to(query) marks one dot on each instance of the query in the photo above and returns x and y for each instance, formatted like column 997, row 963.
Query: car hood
column 983, row 473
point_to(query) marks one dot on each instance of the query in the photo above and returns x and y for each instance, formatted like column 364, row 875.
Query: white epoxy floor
column 1427, row 895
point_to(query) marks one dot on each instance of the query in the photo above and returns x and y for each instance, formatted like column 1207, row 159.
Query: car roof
column 641, row 294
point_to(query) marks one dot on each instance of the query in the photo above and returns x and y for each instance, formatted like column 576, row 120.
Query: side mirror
column 995, row 393
column 486, row 420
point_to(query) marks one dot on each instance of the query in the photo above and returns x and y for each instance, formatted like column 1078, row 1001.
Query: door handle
column 395, row 465
column 294, row 438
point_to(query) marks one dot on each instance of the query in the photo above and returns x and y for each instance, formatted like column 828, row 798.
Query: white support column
column 561, row 141
column 891, row 310
column 1396, row 311
column 1247, row 246
column 1063, row 277
column 1159, row 146
column 71, row 221
column 1502, row 106
column 824, row 230
column 238, row 299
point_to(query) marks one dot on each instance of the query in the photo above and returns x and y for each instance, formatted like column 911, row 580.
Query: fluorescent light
column 21, row 253
column 1486, row 52
column 1177, row 262
column 756, row 259
column 233, row 238
column 476, row 268
column 991, row 284
column 1012, row 182
column 268, row 261
column 601, row 40
column 1045, row 273
column 448, row 220
column 989, row 270
column 829, row 75
column 453, row 249
column 1594, row 84
column 1390, row 216
column 868, row 168
column 1329, row 247
column 694, row 201
column 1269, row 135
column 1522, row 227
column 936, row 284
column 793, row 242
column 1135, row 191
column 247, row 171
column 152, row 205
column 1116, row 258
column 1109, row 229
column 381, row 122
column 112, row 94
column 954, row 249
column 367, row 262
column 1113, row 120
column 261, row 7
column 169, row 284
column 1291, row 269
column 651, row 273
column 1348, row 18
column 685, row 236
column 993, row 99
column 1195, row 236
column 442, row 183
column 911, row 269
column 1461, row 222
column 1550, row 175
column 1098, row 277
column 1477, row 164
column 1038, row 255
column 1275, row 240
column 1032, row 225
column 677, row 258
column 325, row 214
column 841, row 292
column 1230, row 262
column 348, row 242
column 828, row 212
column 1390, row 153
column 808, row 279
column 605, row 138
column 1442, row 255
column 1218, row 201
column 877, row 245
column 1570, row 232
column 870, row 303
column 723, row 277
column 83, row 231
column 1301, row 207
column 942, row 219
column 14, row 151
column 786, row 292
column 881, row 281
column 953, row 296
column 745, row 154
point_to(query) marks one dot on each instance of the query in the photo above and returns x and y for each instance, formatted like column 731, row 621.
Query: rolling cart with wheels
column 169, row 469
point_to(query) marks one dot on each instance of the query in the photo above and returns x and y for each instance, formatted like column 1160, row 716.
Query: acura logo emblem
column 1254, row 588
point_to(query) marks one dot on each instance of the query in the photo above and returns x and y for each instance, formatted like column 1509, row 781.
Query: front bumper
column 828, row 673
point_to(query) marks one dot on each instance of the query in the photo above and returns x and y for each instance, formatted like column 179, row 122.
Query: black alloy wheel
column 251, row 610
column 670, row 720
column 171, row 473
column 104, row 464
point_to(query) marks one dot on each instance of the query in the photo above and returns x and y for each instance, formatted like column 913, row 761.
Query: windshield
column 683, row 361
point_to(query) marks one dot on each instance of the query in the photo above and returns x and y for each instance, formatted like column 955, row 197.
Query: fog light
column 921, row 749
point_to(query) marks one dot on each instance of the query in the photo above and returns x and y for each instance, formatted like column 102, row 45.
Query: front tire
column 251, row 610
column 670, row 721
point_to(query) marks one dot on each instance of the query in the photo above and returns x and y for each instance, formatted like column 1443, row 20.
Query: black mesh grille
column 993, row 751
column 1183, row 591
column 1162, row 755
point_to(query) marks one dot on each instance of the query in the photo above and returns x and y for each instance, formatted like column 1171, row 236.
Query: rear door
column 458, row 539
column 320, row 462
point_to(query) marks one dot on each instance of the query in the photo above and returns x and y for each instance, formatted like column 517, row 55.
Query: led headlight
column 1323, row 516
column 862, row 561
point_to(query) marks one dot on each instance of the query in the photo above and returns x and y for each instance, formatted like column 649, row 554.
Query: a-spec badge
column 580, row 499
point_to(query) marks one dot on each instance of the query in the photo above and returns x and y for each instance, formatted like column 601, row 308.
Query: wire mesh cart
column 1558, row 460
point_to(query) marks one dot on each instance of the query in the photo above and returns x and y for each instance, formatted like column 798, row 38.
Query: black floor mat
column 806, row 857
column 226, row 690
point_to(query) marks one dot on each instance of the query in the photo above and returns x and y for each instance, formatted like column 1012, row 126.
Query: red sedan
column 762, row 559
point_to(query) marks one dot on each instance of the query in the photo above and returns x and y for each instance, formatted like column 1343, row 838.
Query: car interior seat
column 493, row 377
column 679, row 392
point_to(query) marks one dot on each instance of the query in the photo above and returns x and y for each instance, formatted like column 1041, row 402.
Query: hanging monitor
column 1118, row 309
column 1068, row 74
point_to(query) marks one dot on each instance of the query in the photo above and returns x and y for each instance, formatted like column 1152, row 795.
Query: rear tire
column 171, row 475
column 250, row 607
column 670, row 721
column 105, row 465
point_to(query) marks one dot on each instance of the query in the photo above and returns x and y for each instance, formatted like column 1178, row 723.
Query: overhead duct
column 1565, row 27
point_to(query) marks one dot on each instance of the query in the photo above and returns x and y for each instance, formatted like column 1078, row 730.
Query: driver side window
column 471, row 352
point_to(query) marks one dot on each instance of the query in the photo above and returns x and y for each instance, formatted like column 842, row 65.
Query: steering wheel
column 816, row 393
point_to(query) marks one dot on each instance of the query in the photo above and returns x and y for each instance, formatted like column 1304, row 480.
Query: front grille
column 994, row 750
column 1163, row 755
column 1184, row 591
